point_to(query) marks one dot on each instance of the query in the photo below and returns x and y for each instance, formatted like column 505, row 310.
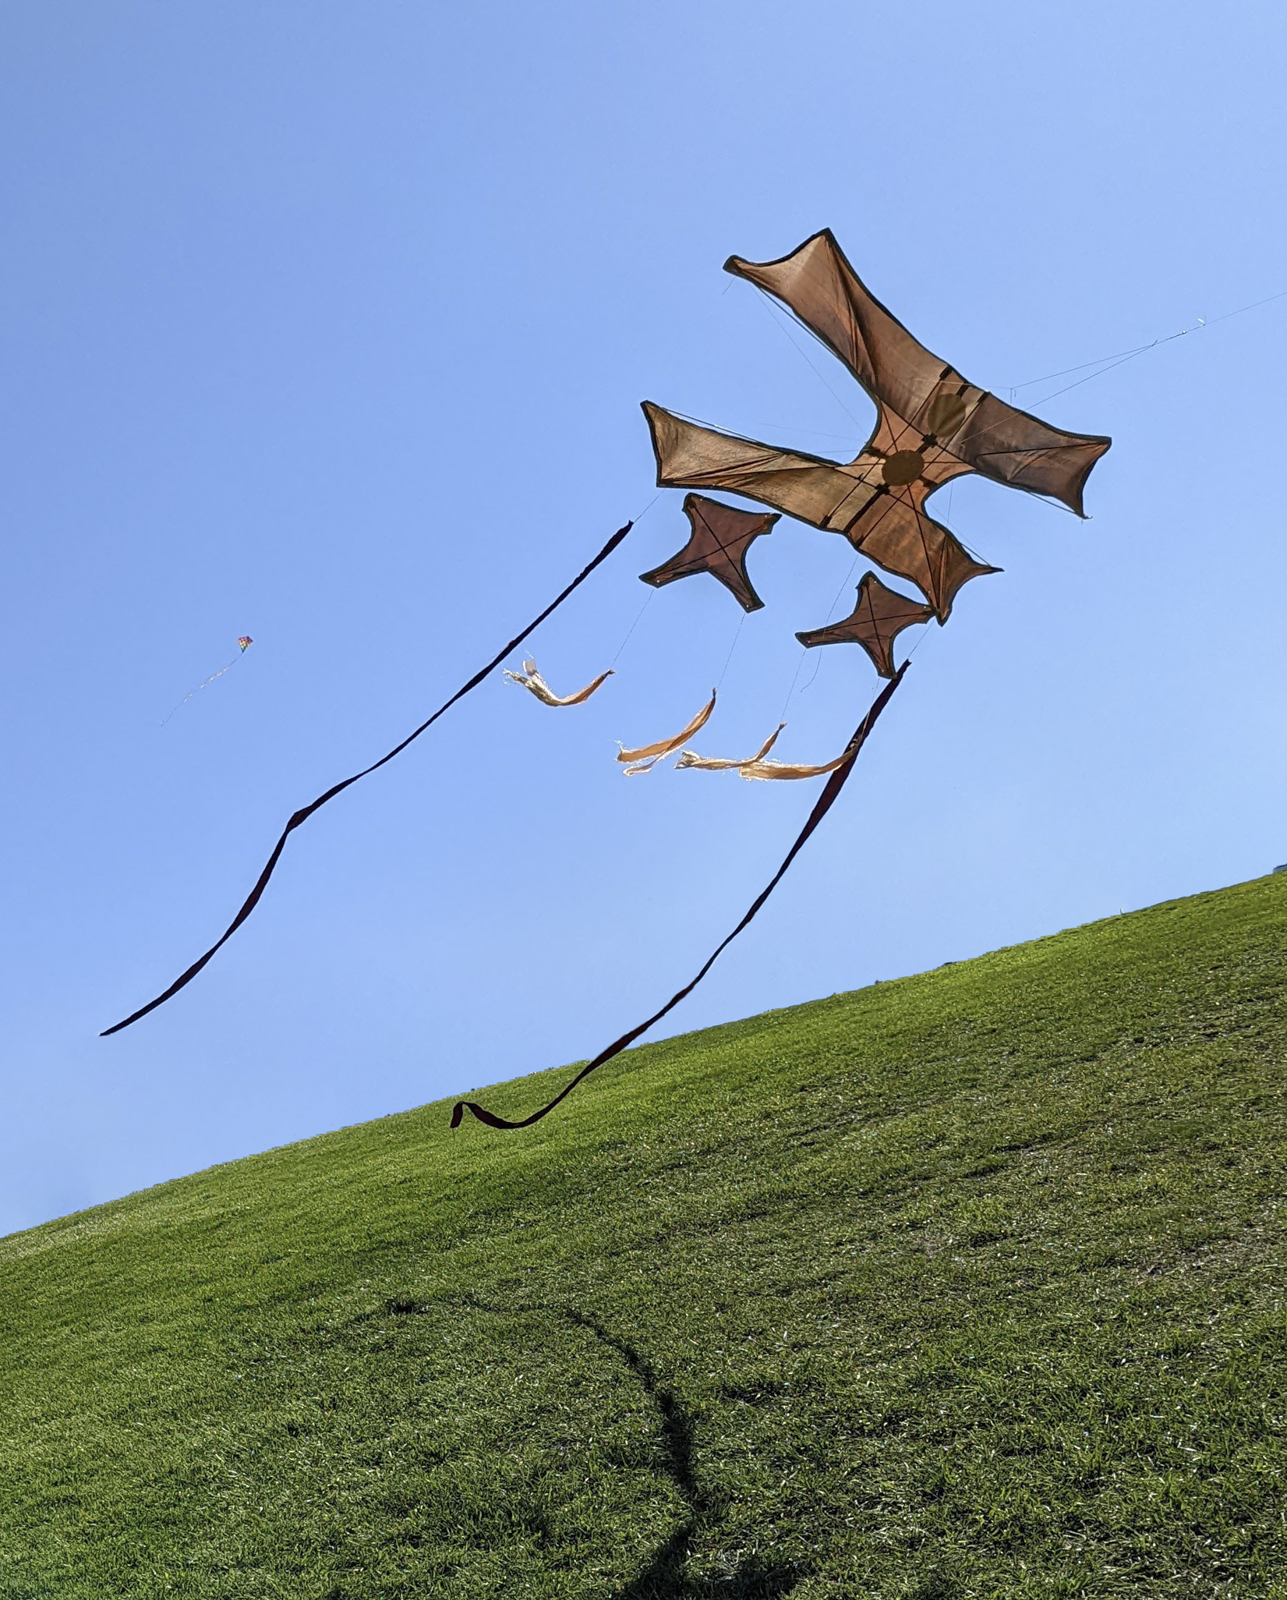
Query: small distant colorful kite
column 244, row 643
column 932, row 426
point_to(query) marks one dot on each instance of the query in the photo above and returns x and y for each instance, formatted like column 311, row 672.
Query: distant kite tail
column 302, row 816
column 835, row 783
column 244, row 642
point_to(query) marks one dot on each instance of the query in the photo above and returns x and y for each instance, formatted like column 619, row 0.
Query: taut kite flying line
column 932, row 426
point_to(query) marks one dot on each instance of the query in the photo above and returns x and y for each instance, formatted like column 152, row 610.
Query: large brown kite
column 932, row 425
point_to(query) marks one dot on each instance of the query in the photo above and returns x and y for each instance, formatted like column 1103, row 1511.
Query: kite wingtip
column 458, row 1114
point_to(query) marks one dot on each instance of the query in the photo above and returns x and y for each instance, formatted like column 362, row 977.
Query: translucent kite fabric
column 841, row 769
column 720, row 538
column 532, row 680
column 886, row 521
column 879, row 617
column 931, row 403
column 932, row 426
column 650, row 754
column 718, row 764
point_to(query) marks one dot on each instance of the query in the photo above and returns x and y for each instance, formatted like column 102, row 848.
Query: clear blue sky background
column 328, row 323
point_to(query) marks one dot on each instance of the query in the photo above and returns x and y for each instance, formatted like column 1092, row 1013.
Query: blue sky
column 329, row 324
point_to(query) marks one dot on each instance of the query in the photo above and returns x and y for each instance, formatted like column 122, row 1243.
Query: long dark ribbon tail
column 302, row 816
column 835, row 783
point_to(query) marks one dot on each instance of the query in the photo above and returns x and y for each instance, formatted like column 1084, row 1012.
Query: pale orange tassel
column 649, row 755
column 717, row 764
column 531, row 680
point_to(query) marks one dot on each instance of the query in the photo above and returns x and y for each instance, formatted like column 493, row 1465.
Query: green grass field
column 966, row 1285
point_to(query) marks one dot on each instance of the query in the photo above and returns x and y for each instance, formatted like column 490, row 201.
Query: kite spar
column 301, row 816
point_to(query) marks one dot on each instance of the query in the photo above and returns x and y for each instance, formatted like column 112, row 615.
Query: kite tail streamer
column 531, row 680
column 244, row 642
column 759, row 768
column 648, row 755
column 718, row 764
column 302, row 816
column 835, row 783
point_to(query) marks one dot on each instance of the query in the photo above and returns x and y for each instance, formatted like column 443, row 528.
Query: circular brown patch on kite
column 946, row 414
column 904, row 466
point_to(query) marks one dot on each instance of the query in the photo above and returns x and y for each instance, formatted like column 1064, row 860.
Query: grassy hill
column 966, row 1285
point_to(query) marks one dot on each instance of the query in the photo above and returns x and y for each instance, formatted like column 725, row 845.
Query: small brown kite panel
column 879, row 617
column 718, row 544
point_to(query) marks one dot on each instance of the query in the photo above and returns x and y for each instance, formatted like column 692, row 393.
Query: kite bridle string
column 817, row 666
column 639, row 618
column 771, row 306
column 737, row 634
column 799, row 666
column 612, row 664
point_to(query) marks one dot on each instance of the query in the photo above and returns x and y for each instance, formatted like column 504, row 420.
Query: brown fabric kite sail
column 720, row 539
column 932, row 425
column 879, row 617
column 647, row 756
column 532, row 680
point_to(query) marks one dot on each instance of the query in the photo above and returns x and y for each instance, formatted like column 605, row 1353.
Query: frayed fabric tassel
column 532, row 680
column 787, row 769
column 647, row 756
column 717, row 764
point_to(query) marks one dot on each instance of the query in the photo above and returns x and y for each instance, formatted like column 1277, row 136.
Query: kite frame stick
column 835, row 783
column 302, row 816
